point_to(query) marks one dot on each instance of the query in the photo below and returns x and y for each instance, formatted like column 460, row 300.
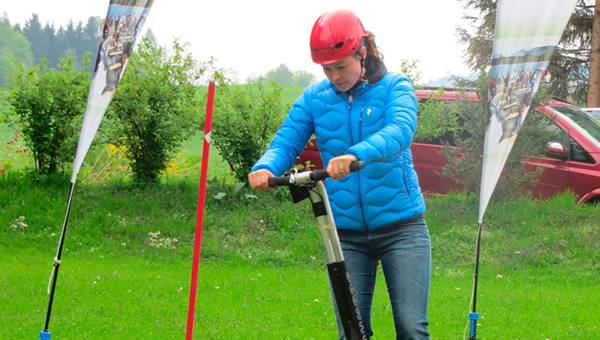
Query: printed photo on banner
column 121, row 28
column 519, row 64
column 511, row 89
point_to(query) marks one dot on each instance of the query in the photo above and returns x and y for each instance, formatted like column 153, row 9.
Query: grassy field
column 262, row 274
column 129, row 297
column 126, row 265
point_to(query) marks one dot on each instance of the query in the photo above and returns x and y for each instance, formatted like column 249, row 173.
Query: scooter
column 309, row 184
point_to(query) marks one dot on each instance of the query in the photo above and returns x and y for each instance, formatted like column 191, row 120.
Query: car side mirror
column 557, row 150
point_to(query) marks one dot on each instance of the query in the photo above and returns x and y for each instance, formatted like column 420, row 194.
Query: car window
column 578, row 153
column 582, row 122
column 549, row 132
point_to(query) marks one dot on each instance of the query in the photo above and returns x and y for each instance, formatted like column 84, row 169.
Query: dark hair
column 369, row 43
column 373, row 62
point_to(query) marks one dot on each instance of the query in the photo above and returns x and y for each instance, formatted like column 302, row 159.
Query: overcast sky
column 252, row 37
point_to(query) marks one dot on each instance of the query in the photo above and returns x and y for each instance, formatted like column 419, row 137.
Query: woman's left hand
column 339, row 167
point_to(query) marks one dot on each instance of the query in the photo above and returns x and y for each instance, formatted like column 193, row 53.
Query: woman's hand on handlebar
column 259, row 179
column 339, row 167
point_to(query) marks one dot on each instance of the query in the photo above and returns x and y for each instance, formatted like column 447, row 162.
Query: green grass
column 262, row 274
column 122, row 297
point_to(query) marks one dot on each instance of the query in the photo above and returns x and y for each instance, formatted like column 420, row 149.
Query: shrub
column 47, row 105
column 437, row 120
column 246, row 118
column 156, row 106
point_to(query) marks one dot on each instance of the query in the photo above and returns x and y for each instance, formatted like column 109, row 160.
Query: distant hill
column 450, row 80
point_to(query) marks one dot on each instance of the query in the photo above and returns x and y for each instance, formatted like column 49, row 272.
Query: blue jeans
column 404, row 251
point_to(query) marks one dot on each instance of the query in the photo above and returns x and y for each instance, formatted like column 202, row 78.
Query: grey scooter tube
column 341, row 283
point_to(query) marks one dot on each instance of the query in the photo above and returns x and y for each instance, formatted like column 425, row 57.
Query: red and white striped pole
column 200, row 211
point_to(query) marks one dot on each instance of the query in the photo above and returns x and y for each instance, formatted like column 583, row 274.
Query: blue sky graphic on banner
column 526, row 35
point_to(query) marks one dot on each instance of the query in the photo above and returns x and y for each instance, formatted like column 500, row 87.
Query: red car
column 571, row 160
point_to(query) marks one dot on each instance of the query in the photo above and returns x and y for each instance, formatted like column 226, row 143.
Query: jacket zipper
column 360, row 203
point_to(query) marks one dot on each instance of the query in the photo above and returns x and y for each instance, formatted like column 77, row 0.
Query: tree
column 46, row 104
column 53, row 43
column 593, row 99
column 34, row 33
column 569, row 66
column 303, row 78
column 91, row 37
column 155, row 106
column 410, row 69
column 14, row 48
column 281, row 75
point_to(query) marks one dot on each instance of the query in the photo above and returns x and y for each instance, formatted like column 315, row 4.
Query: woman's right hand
column 259, row 179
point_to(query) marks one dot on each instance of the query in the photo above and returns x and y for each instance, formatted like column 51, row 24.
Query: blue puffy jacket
column 376, row 123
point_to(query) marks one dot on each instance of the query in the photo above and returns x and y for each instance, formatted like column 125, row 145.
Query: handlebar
column 308, row 177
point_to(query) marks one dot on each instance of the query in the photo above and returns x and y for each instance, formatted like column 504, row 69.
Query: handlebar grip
column 315, row 175
column 356, row 166
column 318, row 175
column 279, row 181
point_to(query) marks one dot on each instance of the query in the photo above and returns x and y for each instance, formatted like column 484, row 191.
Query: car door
column 553, row 173
column 583, row 170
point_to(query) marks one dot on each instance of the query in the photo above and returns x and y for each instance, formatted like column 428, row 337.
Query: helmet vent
column 339, row 45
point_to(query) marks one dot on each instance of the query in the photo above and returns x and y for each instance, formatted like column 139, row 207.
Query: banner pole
column 200, row 210
column 45, row 334
column 473, row 315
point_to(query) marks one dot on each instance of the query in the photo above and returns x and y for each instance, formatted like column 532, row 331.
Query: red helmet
column 335, row 36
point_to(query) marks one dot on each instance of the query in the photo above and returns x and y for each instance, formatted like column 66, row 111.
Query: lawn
column 261, row 275
column 125, row 297
column 126, row 265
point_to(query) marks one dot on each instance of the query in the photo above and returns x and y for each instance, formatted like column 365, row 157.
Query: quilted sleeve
column 400, row 125
column 290, row 139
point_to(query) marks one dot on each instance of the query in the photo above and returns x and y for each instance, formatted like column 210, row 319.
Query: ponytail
column 372, row 51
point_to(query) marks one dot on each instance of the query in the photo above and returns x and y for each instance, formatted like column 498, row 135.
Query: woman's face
column 345, row 73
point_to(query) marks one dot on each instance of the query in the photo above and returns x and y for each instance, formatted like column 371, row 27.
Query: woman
column 362, row 112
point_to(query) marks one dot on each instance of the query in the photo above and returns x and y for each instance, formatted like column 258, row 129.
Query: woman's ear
column 363, row 52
